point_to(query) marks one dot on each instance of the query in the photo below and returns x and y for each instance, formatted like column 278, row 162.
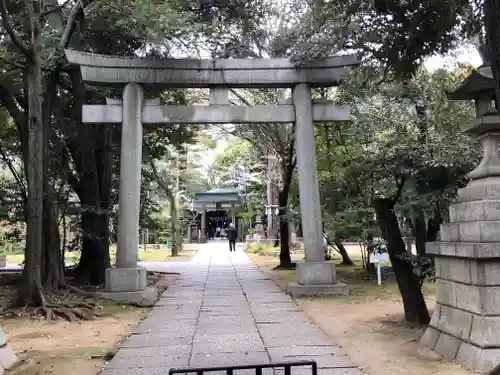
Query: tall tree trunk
column 287, row 169
column 95, row 200
column 52, row 262
column 285, row 259
column 94, row 259
column 174, row 226
column 346, row 259
column 90, row 148
column 176, row 235
column 420, row 231
column 434, row 225
column 31, row 290
column 408, row 283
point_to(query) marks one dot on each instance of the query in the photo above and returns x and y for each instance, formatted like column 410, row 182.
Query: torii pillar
column 315, row 275
column 127, row 276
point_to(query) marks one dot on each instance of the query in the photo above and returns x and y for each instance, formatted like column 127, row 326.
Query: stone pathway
column 223, row 311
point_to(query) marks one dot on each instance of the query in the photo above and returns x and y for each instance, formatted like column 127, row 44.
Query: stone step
column 473, row 231
column 475, row 211
column 474, row 250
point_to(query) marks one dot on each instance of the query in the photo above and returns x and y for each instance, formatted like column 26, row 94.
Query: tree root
column 69, row 312
column 79, row 291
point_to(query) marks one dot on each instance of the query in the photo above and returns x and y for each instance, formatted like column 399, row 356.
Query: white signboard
column 379, row 258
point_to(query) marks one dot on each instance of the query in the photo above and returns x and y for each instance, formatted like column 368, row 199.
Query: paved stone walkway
column 222, row 311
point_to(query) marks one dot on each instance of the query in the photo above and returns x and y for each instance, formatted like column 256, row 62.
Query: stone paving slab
column 228, row 359
column 226, row 310
column 223, row 311
column 142, row 362
column 172, row 311
column 152, row 351
column 228, row 343
column 161, row 371
column 239, row 372
column 260, row 308
column 301, row 339
column 155, row 339
column 168, row 328
column 189, row 304
column 325, row 371
column 224, row 301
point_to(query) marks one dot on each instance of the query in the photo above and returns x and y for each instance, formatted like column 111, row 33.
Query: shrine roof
column 222, row 195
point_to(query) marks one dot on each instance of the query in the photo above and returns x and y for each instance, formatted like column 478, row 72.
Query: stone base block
column 7, row 357
column 474, row 358
column 430, row 338
column 126, row 279
column 143, row 298
column 471, row 231
column 478, row 190
column 338, row 289
column 481, row 360
column 316, row 273
column 475, row 211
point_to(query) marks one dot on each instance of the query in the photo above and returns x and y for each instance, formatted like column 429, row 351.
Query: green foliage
column 11, row 237
column 395, row 35
column 225, row 28
column 423, row 266
column 388, row 142
column 239, row 166
column 351, row 225
column 262, row 248
column 384, row 140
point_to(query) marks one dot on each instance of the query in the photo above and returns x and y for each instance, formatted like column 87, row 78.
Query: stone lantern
column 465, row 326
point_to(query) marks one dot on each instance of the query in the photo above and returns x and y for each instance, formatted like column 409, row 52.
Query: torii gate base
column 315, row 276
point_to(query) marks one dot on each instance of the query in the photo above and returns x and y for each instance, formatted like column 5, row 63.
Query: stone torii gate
column 314, row 274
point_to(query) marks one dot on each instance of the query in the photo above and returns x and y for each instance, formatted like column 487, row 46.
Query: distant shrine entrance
column 315, row 275
column 215, row 209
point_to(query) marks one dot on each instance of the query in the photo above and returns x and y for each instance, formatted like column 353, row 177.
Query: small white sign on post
column 378, row 259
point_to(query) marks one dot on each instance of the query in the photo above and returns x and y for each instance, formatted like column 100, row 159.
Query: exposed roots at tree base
column 62, row 305
column 71, row 312
column 69, row 309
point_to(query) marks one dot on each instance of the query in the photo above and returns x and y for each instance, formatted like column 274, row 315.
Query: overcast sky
column 463, row 54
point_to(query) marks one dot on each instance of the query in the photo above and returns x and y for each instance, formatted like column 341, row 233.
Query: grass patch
column 112, row 308
column 361, row 287
column 151, row 254
column 353, row 276
column 71, row 258
column 262, row 248
column 161, row 255
column 267, row 249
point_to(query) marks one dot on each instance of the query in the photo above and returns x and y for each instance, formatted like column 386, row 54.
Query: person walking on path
column 232, row 234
